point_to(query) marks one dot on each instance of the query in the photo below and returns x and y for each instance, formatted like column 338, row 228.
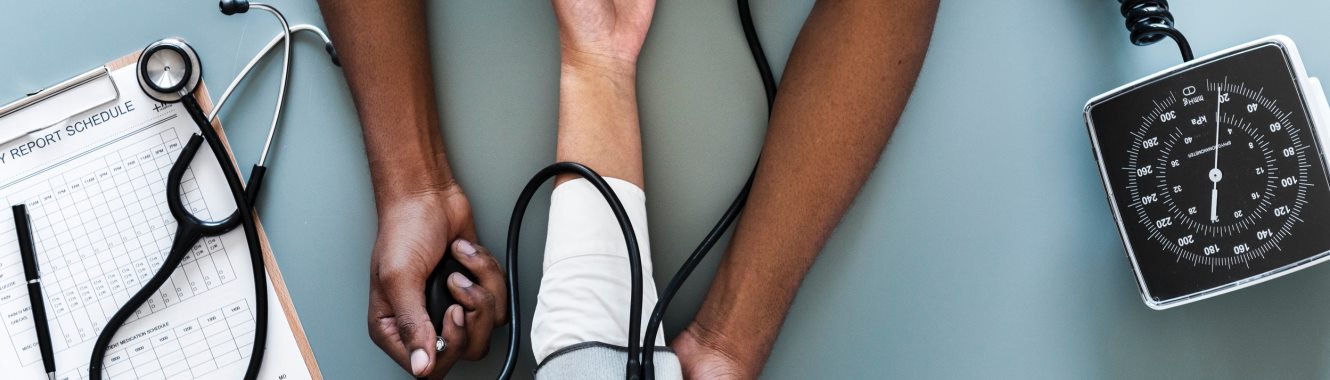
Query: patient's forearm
column 598, row 123
column 848, row 78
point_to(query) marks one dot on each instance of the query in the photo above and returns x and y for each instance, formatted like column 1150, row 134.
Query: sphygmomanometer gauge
column 1215, row 172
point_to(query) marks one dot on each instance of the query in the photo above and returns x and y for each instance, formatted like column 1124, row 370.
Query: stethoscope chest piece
column 169, row 70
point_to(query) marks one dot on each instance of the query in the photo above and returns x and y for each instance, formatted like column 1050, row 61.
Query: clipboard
column 97, row 88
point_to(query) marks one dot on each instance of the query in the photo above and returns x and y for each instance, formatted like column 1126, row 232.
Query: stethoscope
column 169, row 71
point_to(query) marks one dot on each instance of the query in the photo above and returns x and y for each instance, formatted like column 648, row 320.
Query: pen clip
column 27, row 245
column 32, row 242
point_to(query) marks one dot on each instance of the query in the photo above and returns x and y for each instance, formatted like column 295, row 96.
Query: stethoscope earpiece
column 169, row 70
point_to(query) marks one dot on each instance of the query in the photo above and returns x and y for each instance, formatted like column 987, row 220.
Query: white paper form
column 95, row 186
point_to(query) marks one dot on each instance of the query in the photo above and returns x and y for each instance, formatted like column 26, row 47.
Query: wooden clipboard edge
column 269, row 263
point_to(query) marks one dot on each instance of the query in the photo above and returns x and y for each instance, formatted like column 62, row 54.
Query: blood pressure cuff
column 582, row 311
column 597, row 361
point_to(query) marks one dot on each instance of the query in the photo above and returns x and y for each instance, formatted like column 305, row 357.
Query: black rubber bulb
column 437, row 296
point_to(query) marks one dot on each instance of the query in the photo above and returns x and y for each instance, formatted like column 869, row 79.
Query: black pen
column 28, row 251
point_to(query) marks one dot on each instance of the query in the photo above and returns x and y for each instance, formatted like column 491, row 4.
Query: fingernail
column 465, row 247
column 419, row 359
column 458, row 316
column 460, row 280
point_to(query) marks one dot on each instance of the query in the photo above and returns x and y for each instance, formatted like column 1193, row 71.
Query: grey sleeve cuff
column 600, row 361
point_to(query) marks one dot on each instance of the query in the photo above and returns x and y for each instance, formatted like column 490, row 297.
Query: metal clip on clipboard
column 57, row 103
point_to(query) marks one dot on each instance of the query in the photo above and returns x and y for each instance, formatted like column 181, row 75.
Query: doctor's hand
column 414, row 233
column 606, row 34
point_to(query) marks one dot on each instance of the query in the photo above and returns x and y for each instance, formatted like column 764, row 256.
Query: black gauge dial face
column 1221, row 188
column 1215, row 172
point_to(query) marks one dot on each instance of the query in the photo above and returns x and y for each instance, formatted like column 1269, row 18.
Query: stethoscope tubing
column 189, row 230
column 245, row 210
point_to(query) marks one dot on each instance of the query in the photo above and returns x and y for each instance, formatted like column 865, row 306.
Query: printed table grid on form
column 101, row 230
column 187, row 350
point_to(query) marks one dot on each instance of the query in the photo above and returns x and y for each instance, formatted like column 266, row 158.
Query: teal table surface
column 980, row 248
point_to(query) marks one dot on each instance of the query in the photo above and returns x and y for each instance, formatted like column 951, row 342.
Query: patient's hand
column 603, row 32
column 701, row 359
column 413, row 235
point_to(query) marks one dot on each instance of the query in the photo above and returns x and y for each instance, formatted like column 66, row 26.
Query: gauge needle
column 1215, row 174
